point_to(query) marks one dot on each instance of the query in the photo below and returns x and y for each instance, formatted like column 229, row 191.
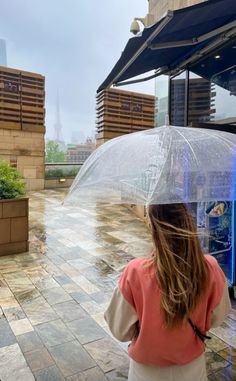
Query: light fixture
column 217, row 56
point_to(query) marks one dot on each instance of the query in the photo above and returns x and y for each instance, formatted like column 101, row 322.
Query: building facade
column 78, row 153
column 158, row 8
column 121, row 112
column 22, row 124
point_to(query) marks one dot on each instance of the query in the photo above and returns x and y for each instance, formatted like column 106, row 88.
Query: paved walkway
column 52, row 299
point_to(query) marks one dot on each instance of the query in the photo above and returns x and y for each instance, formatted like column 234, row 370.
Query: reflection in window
column 161, row 105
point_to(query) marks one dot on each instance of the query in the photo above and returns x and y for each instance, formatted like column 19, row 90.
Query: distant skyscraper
column 57, row 125
column 3, row 53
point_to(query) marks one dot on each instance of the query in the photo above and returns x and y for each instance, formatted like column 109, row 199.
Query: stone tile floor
column 52, row 299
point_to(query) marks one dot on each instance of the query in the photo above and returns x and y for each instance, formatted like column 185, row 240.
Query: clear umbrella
column 162, row 165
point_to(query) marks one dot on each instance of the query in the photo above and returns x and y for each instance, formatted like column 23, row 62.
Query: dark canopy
column 201, row 37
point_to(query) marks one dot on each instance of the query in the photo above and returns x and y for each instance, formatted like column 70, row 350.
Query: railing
column 60, row 170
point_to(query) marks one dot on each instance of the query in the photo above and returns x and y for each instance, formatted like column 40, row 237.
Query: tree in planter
column 11, row 182
column 53, row 153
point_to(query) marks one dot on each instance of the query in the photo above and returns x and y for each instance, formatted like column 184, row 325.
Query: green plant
column 59, row 172
column 11, row 182
column 54, row 153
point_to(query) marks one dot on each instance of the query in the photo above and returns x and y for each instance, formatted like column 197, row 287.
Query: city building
column 78, row 153
column 201, row 101
column 121, row 112
column 158, row 8
column 22, row 123
column 3, row 53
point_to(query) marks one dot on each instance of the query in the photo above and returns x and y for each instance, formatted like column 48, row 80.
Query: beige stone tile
column 21, row 326
column 107, row 354
column 85, row 284
column 99, row 318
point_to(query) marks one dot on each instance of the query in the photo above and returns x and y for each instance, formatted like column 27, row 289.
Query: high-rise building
column 200, row 101
column 3, row 53
column 22, row 118
column 121, row 112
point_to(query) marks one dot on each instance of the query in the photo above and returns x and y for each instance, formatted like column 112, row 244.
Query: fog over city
column 74, row 44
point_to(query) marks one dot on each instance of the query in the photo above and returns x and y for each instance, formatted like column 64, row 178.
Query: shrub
column 57, row 173
column 11, row 182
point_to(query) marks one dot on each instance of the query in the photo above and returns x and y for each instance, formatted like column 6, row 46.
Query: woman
column 160, row 298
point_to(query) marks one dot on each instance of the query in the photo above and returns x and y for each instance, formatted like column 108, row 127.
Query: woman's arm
column 121, row 317
column 221, row 312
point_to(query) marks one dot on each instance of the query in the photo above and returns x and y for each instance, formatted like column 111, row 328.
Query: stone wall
column 159, row 7
column 25, row 151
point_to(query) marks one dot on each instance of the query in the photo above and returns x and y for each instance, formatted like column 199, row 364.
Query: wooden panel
column 21, row 100
column 19, row 229
column 120, row 112
column 14, row 208
column 33, row 127
column 14, row 248
column 10, row 125
column 5, row 225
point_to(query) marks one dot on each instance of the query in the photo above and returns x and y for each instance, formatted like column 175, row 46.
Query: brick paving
column 53, row 297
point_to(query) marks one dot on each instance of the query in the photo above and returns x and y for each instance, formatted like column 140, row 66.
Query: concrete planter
column 57, row 183
column 14, row 231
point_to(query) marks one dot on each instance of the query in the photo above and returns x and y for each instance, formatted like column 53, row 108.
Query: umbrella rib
column 189, row 144
column 157, row 181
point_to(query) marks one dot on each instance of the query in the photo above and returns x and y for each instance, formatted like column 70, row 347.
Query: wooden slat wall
column 121, row 112
column 22, row 97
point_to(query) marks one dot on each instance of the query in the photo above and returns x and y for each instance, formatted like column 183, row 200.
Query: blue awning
column 201, row 38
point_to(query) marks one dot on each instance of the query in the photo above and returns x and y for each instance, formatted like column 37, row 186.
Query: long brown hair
column 180, row 266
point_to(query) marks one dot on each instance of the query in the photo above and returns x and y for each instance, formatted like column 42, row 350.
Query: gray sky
column 75, row 44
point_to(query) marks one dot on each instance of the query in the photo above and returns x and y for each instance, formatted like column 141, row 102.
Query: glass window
column 178, row 92
column 161, row 106
column 201, row 100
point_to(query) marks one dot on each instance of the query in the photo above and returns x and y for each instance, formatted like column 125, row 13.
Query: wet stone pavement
column 53, row 297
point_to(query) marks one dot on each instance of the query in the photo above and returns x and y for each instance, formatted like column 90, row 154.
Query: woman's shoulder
column 212, row 262
column 137, row 264
column 215, row 271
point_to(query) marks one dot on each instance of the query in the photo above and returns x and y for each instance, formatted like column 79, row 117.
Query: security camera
column 134, row 28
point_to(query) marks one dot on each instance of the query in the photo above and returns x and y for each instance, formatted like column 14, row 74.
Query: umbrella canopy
column 159, row 166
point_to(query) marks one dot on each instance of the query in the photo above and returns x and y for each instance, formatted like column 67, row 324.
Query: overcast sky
column 75, row 44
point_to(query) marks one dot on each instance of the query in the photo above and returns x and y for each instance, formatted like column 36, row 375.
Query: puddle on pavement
column 103, row 268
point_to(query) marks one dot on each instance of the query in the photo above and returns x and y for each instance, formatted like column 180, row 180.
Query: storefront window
column 225, row 105
column 178, row 93
column 201, row 100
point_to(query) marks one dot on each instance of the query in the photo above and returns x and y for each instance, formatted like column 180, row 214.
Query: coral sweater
column 156, row 345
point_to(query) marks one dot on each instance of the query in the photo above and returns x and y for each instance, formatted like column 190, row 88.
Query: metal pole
column 186, row 100
column 169, row 99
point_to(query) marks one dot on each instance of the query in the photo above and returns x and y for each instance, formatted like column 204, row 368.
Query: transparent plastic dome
column 158, row 166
